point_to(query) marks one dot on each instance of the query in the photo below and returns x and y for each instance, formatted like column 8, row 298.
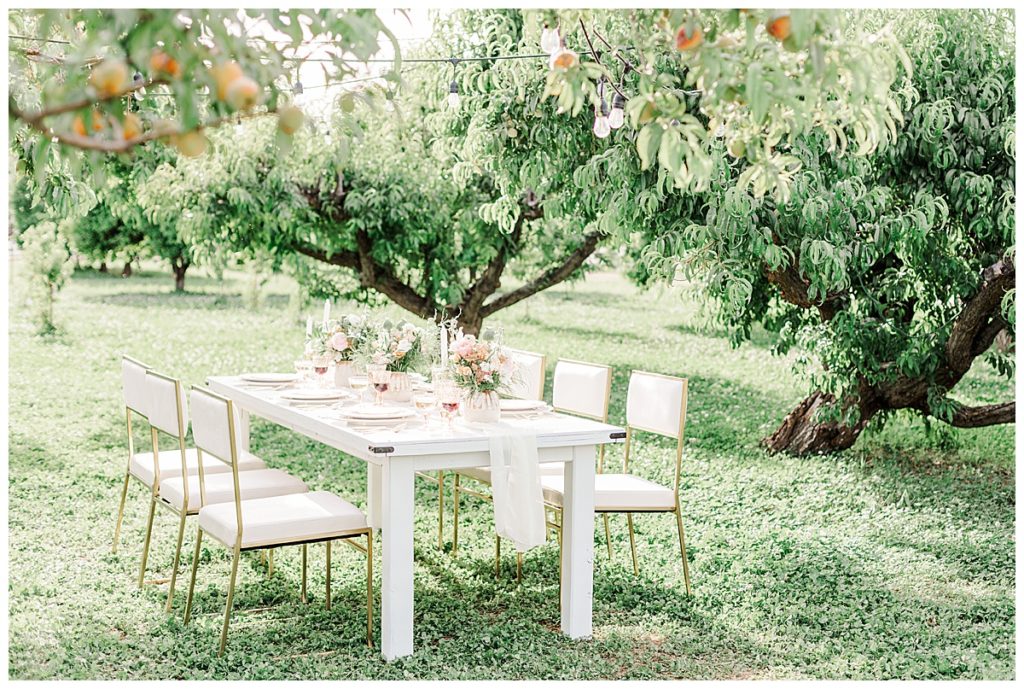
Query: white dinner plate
column 269, row 378
column 522, row 405
column 324, row 395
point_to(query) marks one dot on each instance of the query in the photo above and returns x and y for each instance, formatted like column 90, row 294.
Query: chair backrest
column 212, row 425
column 529, row 381
column 167, row 409
column 133, row 385
column 581, row 388
column 656, row 403
column 214, row 433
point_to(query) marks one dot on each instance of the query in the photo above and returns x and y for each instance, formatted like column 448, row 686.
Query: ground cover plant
column 892, row 560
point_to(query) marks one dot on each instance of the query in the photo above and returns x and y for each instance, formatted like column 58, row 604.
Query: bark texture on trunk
column 973, row 332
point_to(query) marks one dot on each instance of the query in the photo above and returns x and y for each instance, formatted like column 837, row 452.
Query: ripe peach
column 131, row 127
column 109, row 77
column 224, row 74
column 289, row 119
column 243, row 93
column 162, row 63
column 191, row 144
column 688, row 41
column 779, row 27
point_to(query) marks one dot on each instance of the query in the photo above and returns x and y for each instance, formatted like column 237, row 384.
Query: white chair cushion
column 261, row 483
column 141, row 466
column 283, row 519
column 613, row 492
column 483, row 474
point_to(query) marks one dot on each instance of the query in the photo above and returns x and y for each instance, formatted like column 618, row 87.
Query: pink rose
column 339, row 342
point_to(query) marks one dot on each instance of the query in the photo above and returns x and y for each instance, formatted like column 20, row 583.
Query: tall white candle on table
column 444, row 345
column 309, row 326
column 327, row 311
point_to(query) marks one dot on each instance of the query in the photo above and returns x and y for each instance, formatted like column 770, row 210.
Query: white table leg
column 243, row 429
column 578, row 544
column 396, row 556
column 374, row 474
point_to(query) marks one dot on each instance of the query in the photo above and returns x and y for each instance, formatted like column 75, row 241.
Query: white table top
column 324, row 423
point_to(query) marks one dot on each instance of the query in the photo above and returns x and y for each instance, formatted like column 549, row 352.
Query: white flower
column 404, row 346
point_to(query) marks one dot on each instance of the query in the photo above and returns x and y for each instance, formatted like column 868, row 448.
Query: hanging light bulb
column 602, row 127
column 297, row 89
column 137, row 80
column 453, row 95
column 616, row 119
column 550, row 41
column 238, row 125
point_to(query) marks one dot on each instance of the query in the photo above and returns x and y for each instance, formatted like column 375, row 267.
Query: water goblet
column 320, row 365
column 424, row 403
column 448, row 398
column 304, row 368
column 380, row 378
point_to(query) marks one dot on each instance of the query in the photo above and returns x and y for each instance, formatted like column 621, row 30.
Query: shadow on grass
column 185, row 301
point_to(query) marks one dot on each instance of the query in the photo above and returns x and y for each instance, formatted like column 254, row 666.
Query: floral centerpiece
column 400, row 348
column 480, row 367
column 341, row 341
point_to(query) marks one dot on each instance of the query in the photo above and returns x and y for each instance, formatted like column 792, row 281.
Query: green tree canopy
column 890, row 273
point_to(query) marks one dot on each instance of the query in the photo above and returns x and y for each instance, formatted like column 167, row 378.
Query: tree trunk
column 471, row 321
column 103, row 267
column 127, row 271
column 179, row 268
column 801, row 433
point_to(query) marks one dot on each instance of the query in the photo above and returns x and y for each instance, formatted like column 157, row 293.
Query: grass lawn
column 895, row 560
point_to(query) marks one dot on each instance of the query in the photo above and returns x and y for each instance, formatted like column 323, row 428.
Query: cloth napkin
column 515, row 487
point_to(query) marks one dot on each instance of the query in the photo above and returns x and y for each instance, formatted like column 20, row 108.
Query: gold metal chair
column 655, row 403
column 579, row 388
column 148, row 468
column 243, row 525
column 184, row 493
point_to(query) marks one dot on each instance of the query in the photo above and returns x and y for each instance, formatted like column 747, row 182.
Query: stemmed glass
column 424, row 403
column 448, row 397
column 380, row 379
column 320, row 365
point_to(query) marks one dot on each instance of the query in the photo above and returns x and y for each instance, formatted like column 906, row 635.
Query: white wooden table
column 393, row 458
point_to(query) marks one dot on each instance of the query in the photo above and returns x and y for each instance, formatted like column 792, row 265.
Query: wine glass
column 424, row 403
column 448, row 397
column 303, row 367
column 320, row 365
column 380, row 378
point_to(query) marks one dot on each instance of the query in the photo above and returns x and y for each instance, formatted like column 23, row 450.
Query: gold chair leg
column 455, row 518
column 497, row 556
column 369, row 589
column 519, row 568
column 192, row 582
column 607, row 534
column 120, row 513
column 270, row 562
column 559, row 560
column 682, row 551
column 145, row 545
column 328, row 605
column 263, row 558
column 177, row 560
column 632, row 543
column 231, row 598
column 440, row 510
column 304, row 573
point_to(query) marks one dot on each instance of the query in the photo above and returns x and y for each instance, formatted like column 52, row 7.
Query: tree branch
column 793, row 289
column 985, row 415
column 975, row 318
column 550, row 277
